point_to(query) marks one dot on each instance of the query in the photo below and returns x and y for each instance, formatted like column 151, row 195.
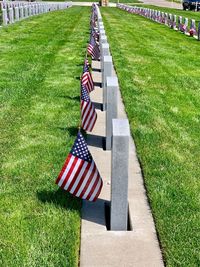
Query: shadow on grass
column 75, row 98
column 59, row 198
column 73, row 131
column 92, row 140
column 91, row 211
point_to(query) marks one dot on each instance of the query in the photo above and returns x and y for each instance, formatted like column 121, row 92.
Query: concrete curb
column 102, row 248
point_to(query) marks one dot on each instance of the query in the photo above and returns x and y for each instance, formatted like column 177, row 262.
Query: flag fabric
column 87, row 81
column 88, row 113
column 93, row 49
column 93, row 19
column 86, row 66
column 79, row 175
column 192, row 32
column 95, row 34
column 184, row 28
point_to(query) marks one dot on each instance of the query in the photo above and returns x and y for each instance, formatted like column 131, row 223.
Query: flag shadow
column 91, row 211
column 98, row 84
column 96, row 70
column 71, row 130
column 95, row 140
column 59, row 198
column 98, row 105
column 75, row 98
column 96, row 212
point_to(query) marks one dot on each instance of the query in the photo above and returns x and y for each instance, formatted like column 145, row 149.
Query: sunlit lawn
column 40, row 60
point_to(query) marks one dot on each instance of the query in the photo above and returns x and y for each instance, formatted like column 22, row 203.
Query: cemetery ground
column 159, row 76
column 40, row 64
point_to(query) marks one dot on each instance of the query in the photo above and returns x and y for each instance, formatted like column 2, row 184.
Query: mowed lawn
column 40, row 64
column 185, row 14
column 159, row 76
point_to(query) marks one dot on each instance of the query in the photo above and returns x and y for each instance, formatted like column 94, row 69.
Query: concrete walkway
column 103, row 248
column 161, row 3
column 90, row 4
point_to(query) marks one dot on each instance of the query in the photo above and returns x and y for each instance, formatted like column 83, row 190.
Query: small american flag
column 95, row 34
column 93, row 18
column 87, row 81
column 93, row 49
column 86, row 66
column 88, row 113
column 79, row 175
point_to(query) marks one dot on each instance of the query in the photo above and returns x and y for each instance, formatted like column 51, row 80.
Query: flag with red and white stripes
column 87, row 81
column 86, row 66
column 79, row 175
column 95, row 34
column 88, row 112
column 93, row 48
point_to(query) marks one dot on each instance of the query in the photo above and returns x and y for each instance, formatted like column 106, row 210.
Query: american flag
column 88, row 113
column 95, row 34
column 86, row 66
column 184, row 28
column 79, row 175
column 93, row 19
column 87, row 81
column 93, row 48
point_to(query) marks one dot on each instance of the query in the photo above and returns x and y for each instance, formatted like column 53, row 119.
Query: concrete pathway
column 90, row 4
column 82, row 3
column 103, row 248
column 163, row 3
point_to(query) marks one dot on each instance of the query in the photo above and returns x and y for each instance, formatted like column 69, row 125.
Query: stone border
column 99, row 246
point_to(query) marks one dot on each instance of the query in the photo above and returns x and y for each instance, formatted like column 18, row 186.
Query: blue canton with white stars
column 84, row 94
column 85, row 67
column 80, row 149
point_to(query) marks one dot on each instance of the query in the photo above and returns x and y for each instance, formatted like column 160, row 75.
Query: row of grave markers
column 117, row 135
column 79, row 174
column 175, row 22
column 18, row 10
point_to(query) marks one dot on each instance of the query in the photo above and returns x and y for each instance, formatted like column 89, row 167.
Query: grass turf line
column 41, row 61
column 159, row 75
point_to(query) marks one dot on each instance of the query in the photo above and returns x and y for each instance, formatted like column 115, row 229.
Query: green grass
column 159, row 75
column 41, row 60
column 178, row 12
